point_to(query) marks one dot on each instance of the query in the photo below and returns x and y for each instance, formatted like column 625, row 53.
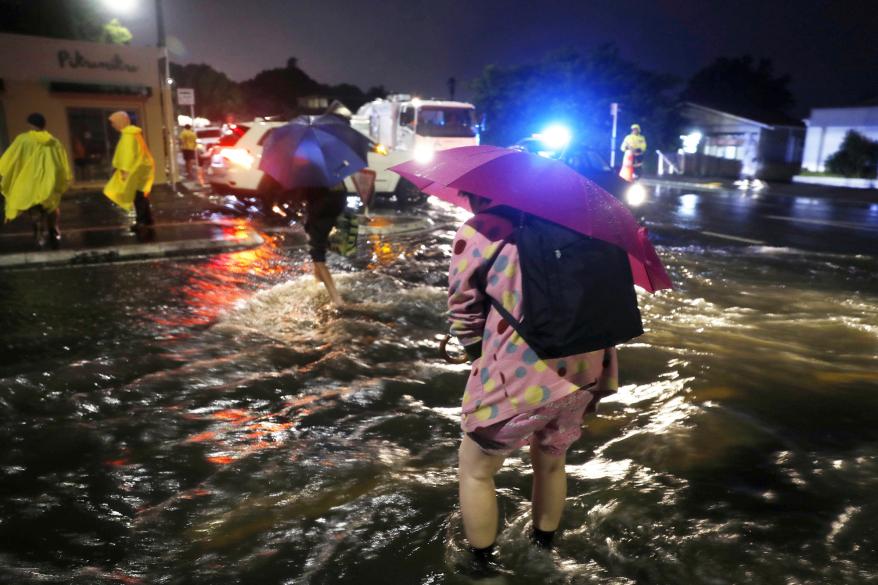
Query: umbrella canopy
column 314, row 151
column 542, row 187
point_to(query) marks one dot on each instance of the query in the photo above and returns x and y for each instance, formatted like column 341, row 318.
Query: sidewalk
column 94, row 230
column 777, row 189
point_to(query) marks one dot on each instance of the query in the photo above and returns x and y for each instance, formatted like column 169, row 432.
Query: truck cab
column 413, row 128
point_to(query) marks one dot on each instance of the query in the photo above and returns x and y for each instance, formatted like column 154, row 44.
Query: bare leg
column 549, row 489
column 321, row 273
column 478, row 497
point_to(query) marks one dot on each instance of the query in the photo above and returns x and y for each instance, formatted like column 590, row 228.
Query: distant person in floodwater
column 34, row 173
column 323, row 206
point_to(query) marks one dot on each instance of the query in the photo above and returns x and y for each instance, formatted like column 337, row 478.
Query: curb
column 129, row 252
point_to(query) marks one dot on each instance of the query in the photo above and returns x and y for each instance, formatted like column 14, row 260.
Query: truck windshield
column 446, row 121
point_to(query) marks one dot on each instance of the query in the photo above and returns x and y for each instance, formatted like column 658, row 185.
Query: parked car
column 234, row 167
column 206, row 139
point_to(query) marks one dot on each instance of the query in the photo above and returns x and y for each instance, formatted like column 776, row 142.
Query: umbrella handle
column 443, row 351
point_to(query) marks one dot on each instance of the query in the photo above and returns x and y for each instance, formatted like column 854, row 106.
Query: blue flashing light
column 555, row 137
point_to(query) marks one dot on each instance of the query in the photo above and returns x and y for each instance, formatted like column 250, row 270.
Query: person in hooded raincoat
column 134, row 172
column 34, row 173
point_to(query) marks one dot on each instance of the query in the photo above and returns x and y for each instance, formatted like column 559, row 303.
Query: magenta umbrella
column 542, row 187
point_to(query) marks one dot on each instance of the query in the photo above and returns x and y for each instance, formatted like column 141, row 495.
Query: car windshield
column 212, row 133
column 589, row 159
column 446, row 121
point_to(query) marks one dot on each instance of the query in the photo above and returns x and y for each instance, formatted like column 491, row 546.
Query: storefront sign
column 77, row 60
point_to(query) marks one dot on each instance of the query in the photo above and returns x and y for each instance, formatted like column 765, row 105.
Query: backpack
column 578, row 292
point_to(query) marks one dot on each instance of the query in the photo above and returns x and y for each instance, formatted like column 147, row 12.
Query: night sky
column 830, row 48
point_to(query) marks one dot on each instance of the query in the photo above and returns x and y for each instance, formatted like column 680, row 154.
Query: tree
column 576, row 89
column 740, row 85
column 216, row 95
column 62, row 19
column 116, row 34
column 857, row 157
column 277, row 91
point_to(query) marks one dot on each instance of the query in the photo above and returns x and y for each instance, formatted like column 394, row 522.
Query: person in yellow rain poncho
column 635, row 144
column 34, row 173
column 134, row 171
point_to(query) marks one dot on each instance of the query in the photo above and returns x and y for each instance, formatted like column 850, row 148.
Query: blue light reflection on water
column 688, row 205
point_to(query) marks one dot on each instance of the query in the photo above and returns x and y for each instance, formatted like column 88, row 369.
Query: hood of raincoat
column 132, row 129
column 41, row 136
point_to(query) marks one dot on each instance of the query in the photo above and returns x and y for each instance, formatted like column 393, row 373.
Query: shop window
column 93, row 141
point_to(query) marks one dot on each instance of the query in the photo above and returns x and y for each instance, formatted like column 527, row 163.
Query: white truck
column 409, row 128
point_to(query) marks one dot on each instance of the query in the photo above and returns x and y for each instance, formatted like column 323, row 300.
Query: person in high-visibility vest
column 189, row 148
column 635, row 143
column 34, row 173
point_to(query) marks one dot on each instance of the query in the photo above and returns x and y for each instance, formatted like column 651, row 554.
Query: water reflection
column 688, row 205
column 225, row 427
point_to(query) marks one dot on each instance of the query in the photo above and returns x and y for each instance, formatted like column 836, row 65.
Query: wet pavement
column 94, row 230
column 210, row 420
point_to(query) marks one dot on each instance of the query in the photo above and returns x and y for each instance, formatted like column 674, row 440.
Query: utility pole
column 452, row 86
column 614, row 112
column 165, row 101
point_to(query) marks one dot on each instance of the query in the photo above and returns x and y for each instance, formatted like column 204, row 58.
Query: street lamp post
column 165, row 99
column 165, row 102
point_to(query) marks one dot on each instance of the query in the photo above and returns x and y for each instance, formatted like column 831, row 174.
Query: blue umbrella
column 314, row 151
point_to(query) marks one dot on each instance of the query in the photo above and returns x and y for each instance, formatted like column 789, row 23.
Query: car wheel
column 407, row 193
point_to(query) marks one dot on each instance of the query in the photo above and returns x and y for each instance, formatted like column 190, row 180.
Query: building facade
column 76, row 85
column 827, row 128
column 734, row 146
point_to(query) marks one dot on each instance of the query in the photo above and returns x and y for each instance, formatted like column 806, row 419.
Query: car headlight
column 424, row 153
column 635, row 195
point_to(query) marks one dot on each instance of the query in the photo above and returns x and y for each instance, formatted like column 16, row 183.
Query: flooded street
column 209, row 421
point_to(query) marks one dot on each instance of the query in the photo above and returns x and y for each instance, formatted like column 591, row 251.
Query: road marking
column 734, row 238
column 827, row 222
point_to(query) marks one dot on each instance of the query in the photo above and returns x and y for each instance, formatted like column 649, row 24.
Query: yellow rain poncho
column 33, row 171
column 132, row 157
column 634, row 142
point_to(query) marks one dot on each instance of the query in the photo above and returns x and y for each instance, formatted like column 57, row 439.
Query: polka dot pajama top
column 508, row 379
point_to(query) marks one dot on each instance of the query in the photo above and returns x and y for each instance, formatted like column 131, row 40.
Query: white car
column 207, row 139
column 235, row 169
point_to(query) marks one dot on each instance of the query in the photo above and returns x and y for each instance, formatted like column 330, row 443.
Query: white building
column 764, row 145
column 827, row 128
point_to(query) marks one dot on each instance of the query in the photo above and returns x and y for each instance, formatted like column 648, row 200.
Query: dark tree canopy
column 576, row 89
column 857, row 157
column 740, row 85
column 63, row 19
column 215, row 94
column 278, row 91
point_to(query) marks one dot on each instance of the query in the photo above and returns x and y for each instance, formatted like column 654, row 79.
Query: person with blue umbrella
column 310, row 158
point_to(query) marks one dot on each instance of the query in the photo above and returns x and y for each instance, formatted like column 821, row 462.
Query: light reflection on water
column 219, row 424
